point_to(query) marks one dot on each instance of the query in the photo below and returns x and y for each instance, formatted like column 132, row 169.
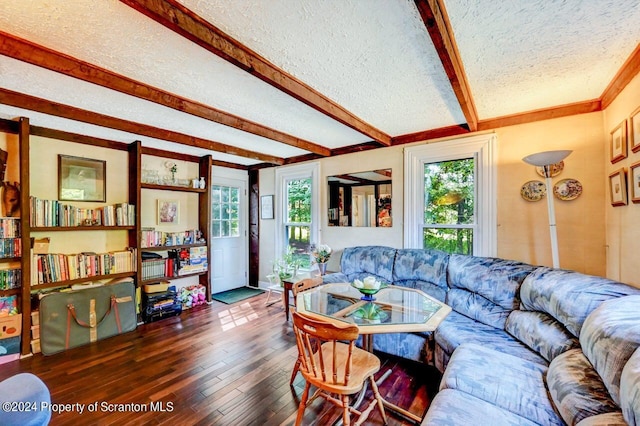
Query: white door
column 229, row 243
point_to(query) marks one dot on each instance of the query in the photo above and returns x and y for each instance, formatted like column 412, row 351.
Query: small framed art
column 618, row 188
column 266, row 207
column 168, row 212
column 634, row 130
column 81, row 179
column 634, row 178
column 618, row 142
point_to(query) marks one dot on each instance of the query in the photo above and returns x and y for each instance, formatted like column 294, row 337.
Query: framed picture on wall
column 634, row 130
column 266, row 207
column 618, row 188
column 634, row 178
column 618, row 142
column 168, row 212
column 81, row 179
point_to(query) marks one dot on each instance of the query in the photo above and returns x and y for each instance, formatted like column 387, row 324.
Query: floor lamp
column 546, row 160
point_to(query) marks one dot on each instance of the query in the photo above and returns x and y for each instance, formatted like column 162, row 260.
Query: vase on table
column 323, row 268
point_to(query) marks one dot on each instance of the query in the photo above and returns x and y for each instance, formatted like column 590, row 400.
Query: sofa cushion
column 424, row 270
column 541, row 333
column 360, row 262
column 576, row 389
column 510, row 382
column 610, row 335
column 451, row 407
column 491, row 285
column 457, row 329
column 569, row 296
column 630, row 389
column 607, row 419
column 26, row 388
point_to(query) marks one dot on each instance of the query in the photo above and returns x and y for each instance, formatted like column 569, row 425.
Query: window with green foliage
column 225, row 211
column 298, row 219
column 449, row 207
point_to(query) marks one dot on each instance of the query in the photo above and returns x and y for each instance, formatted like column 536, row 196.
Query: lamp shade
column 546, row 158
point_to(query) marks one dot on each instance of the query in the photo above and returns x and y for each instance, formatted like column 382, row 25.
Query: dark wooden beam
column 9, row 126
column 185, row 22
column 77, row 138
column 188, row 157
column 34, row 54
column 541, row 114
column 435, row 18
column 44, row 106
column 629, row 69
column 424, row 135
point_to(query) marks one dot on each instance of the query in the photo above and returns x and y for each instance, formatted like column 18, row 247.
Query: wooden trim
column 157, row 152
column 442, row 132
column 26, row 51
column 627, row 72
column 435, row 18
column 254, row 227
column 44, row 106
column 204, row 219
column 135, row 198
column 366, row 146
column 541, row 114
column 25, row 232
column 9, row 126
column 77, row 138
column 183, row 21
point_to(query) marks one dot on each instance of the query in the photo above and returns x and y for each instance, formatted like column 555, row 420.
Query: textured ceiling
column 374, row 58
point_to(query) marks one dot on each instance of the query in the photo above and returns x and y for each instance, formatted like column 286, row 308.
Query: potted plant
column 321, row 253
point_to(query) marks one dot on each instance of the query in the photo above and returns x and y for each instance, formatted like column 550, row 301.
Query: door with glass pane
column 229, row 258
column 449, row 207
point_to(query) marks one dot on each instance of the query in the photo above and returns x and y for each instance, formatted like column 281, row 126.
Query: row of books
column 179, row 262
column 10, row 247
column 51, row 267
column 9, row 227
column 55, row 213
column 152, row 238
column 10, row 278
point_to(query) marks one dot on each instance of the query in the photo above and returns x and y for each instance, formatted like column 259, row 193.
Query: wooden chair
column 300, row 286
column 332, row 363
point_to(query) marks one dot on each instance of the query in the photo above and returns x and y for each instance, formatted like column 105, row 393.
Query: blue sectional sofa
column 523, row 344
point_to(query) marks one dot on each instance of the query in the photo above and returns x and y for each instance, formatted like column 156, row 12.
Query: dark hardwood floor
column 214, row 365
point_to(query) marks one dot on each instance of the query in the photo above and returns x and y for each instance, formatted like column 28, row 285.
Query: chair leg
column 376, row 394
column 303, row 404
column 268, row 297
column 296, row 368
column 346, row 417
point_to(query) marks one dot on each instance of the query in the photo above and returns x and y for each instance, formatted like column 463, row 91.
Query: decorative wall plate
column 556, row 169
column 534, row 190
column 567, row 189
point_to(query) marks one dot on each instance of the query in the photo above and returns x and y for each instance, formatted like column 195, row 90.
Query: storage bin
column 10, row 326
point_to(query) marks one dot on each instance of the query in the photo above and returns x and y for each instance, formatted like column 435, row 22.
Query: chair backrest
column 305, row 284
column 331, row 364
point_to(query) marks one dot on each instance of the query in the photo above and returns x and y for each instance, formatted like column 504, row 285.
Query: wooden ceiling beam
column 436, row 20
column 44, row 106
column 629, row 69
column 541, row 114
column 185, row 22
column 34, row 54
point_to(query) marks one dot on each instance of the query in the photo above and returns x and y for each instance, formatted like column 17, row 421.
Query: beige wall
column 523, row 227
column 622, row 223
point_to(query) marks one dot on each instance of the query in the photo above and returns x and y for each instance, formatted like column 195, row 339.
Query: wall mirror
column 360, row 199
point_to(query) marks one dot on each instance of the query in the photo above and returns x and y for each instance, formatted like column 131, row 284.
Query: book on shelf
column 10, row 247
column 9, row 227
column 54, row 213
column 10, row 278
column 152, row 238
column 54, row 267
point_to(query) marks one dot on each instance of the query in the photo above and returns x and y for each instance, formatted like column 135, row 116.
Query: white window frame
column 288, row 173
column 482, row 149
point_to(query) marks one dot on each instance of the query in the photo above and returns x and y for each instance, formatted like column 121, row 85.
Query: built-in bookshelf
column 53, row 213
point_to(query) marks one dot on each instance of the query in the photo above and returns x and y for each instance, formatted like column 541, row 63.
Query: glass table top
column 395, row 309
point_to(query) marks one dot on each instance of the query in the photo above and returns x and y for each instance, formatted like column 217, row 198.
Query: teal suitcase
column 76, row 318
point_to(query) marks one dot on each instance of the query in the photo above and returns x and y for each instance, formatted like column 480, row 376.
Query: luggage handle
column 72, row 310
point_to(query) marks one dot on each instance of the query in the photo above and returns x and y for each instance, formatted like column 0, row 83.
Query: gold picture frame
column 618, row 142
column 634, row 130
column 634, row 182
column 618, row 188
column 81, row 179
